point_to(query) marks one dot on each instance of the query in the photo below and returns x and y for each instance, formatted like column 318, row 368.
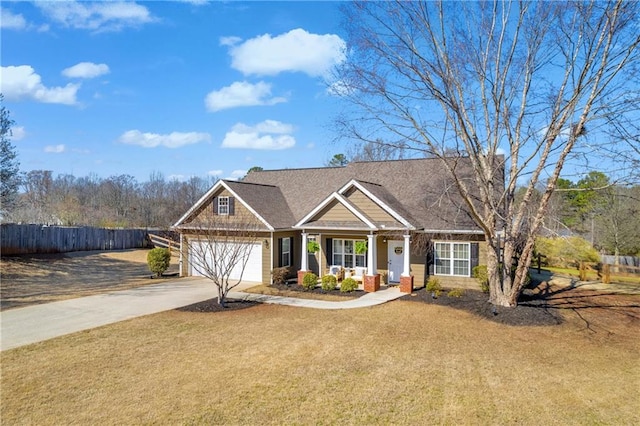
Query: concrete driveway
column 35, row 323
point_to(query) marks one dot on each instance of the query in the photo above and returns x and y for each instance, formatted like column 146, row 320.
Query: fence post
column 606, row 276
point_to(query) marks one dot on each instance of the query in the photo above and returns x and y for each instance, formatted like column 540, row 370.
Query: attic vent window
column 223, row 206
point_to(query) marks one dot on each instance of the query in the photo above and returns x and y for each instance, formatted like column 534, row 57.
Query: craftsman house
column 384, row 223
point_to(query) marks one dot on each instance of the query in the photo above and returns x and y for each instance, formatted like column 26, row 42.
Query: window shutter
column 329, row 251
column 215, row 205
column 291, row 252
column 430, row 258
column 279, row 252
column 232, row 206
column 475, row 255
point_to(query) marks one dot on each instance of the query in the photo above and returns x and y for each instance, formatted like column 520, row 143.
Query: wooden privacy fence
column 31, row 239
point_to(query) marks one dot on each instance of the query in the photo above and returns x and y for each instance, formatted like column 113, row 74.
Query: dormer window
column 223, row 206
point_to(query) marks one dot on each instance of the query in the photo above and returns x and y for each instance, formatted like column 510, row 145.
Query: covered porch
column 373, row 259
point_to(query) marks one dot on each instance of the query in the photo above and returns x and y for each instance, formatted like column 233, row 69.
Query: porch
column 357, row 255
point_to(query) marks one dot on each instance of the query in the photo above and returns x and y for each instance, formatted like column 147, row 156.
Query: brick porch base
column 301, row 275
column 371, row 283
column 406, row 284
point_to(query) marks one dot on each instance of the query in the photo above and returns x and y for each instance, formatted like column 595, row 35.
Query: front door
column 396, row 260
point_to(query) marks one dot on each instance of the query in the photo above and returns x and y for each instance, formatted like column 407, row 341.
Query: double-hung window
column 344, row 254
column 452, row 259
column 223, row 206
column 285, row 254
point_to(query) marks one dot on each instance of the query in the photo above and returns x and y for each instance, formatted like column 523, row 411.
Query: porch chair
column 337, row 271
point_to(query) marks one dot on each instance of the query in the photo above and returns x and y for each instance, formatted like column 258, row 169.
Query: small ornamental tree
column 158, row 260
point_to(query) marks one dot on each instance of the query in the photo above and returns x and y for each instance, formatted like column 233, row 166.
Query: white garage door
column 252, row 271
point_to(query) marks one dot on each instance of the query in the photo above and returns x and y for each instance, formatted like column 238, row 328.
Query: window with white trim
column 223, row 206
column 285, row 254
column 344, row 254
column 452, row 259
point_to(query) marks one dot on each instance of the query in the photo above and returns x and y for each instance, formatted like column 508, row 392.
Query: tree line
column 115, row 201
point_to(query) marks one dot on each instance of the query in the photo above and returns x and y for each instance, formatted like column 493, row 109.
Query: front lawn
column 399, row 363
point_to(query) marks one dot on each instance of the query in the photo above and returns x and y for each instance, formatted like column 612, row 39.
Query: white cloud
column 55, row 149
column 229, row 41
column 214, row 172
column 237, row 174
column 18, row 133
column 21, row 82
column 96, row 16
column 86, row 70
column 340, row 88
column 268, row 135
column 296, row 50
column 11, row 21
column 172, row 140
column 240, row 94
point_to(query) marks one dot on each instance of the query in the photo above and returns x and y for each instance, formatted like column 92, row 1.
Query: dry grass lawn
column 398, row 363
column 33, row 279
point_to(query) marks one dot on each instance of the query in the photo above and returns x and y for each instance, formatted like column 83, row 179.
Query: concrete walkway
column 36, row 323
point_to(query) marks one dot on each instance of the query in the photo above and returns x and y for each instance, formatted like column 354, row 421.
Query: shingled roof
column 421, row 190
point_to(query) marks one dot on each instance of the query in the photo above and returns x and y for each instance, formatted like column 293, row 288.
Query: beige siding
column 369, row 207
column 296, row 252
column 266, row 260
column 336, row 212
column 206, row 218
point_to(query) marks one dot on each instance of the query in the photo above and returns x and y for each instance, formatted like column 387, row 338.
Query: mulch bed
column 531, row 310
column 212, row 305
column 318, row 290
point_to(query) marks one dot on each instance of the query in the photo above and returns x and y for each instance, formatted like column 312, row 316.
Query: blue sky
column 188, row 88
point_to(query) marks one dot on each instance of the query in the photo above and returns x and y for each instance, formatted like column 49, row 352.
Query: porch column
column 406, row 269
column 372, row 268
column 406, row 280
column 304, row 260
column 371, row 279
column 181, row 261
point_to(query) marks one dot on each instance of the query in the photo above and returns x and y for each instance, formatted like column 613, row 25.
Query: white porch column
column 406, row 269
column 305, row 257
column 372, row 255
column 180, row 262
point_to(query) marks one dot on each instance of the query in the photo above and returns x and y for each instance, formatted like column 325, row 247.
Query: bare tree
column 219, row 248
column 519, row 90
column 9, row 164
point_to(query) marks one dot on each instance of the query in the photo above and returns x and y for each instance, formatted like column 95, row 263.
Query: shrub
column 456, row 292
column 280, row 275
column 566, row 252
column 329, row 282
column 309, row 281
column 433, row 286
column 158, row 260
column 348, row 285
column 480, row 273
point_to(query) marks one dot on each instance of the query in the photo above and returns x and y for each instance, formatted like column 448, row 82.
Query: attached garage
column 198, row 251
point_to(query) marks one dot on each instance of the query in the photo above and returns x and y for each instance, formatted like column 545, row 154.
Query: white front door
column 396, row 260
